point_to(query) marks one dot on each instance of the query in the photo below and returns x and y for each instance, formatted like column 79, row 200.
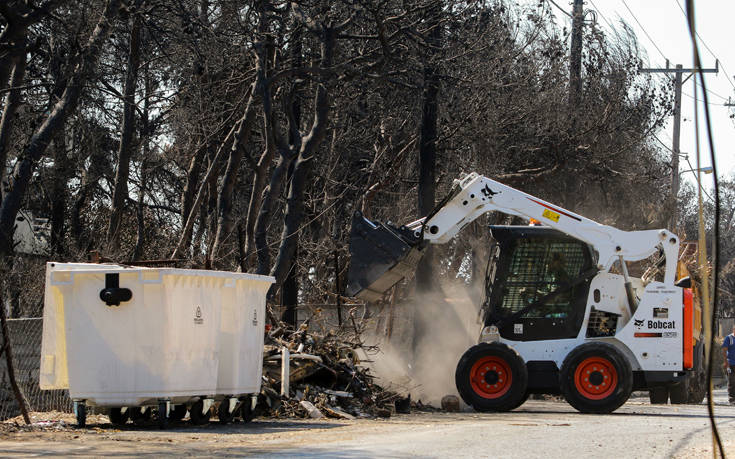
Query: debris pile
column 324, row 377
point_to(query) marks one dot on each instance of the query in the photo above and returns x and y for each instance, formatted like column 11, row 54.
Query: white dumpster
column 166, row 339
column 241, row 337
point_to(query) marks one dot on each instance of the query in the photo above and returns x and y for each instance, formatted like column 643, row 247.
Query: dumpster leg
column 247, row 408
column 200, row 412
column 80, row 411
column 163, row 409
column 285, row 371
column 226, row 410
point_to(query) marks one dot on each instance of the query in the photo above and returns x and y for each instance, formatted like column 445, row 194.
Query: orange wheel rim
column 595, row 378
column 491, row 377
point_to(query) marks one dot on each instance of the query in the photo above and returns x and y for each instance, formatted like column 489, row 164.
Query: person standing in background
column 728, row 350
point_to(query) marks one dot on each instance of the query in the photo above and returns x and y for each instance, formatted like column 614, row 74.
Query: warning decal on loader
column 551, row 215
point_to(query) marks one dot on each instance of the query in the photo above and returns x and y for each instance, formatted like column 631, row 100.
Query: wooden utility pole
column 678, row 72
column 575, row 54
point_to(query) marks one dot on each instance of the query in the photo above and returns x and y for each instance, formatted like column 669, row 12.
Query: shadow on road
column 688, row 437
column 718, row 416
column 214, row 427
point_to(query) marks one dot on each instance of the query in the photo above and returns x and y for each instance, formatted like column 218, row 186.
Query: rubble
column 450, row 403
column 324, row 377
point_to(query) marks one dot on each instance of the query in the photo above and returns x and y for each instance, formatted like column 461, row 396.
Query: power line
column 603, row 16
column 727, row 75
column 664, row 56
column 702, row 101
column 711, row 91
column 686, row 158
column 560, row 8
column 644, row 30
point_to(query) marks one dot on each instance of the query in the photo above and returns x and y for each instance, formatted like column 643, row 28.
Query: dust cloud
column 430, row 332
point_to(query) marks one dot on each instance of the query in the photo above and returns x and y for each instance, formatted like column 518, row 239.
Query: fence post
column 7, row 347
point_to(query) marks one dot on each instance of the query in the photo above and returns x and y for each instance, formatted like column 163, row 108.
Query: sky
column 662, row 32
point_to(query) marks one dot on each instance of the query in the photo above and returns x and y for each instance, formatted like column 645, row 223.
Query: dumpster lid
column 94, row 268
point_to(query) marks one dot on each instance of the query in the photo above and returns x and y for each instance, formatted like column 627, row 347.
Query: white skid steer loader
column 556, row 319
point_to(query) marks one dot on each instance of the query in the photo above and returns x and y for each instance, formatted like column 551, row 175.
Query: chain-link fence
column 25, row 340
column 23, row 286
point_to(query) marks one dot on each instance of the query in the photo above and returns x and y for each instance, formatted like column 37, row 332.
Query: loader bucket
column 381, row 255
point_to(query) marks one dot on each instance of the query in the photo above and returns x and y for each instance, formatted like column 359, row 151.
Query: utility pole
column 679, row 81
column 575, row 55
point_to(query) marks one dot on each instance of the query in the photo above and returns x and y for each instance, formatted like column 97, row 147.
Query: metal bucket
column 381, row 256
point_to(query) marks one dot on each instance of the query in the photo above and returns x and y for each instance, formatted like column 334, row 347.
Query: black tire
column 603, row 363
column 522, row 400
column 679, row 392
column 139, row 415
column 697, row 388
column 177, row 413
column 492, row 377
column 246, row 410
column 697, row 378
column 118, row 417
column 80, row 409
column 658, row 395
column 196, row 415
column 223, row 412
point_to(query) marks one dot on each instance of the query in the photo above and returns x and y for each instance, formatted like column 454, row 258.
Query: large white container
column 165, row 343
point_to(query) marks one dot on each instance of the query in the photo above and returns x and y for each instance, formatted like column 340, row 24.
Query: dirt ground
column 540, row 428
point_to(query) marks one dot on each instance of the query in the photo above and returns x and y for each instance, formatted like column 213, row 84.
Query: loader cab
column 526, row 265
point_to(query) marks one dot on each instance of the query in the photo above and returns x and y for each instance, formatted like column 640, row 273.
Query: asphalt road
column 538, row 429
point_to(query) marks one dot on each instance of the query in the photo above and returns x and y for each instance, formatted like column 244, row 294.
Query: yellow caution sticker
column 551, row 215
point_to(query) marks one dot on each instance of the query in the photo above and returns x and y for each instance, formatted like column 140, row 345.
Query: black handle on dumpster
column 112, row 294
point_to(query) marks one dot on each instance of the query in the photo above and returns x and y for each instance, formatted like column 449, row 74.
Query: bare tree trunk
column 209, row 176
column 140, row 233
column 242, row 136
column 18, row 18
column 12, row 102
column 270, row 194
column 144, row 138
column 90, row 177
column 290, row 290
column 61, row 175
column 224, row 198
column 309, row 146
column 125, row 150
column 42, row 136
column 427, row 144
column 192, row 177
column 211, row 211
column 256, row 198
column 13, row 39
column 62, row 167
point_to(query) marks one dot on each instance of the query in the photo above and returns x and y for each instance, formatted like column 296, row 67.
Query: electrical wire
column 716, row 248
column 664, row 56
column 711, row 91
column 700, row 100
column 603, row 16
column 644, row 31
column 699, row 183
column 724, row 70
column 686, row 158
column 561, row 9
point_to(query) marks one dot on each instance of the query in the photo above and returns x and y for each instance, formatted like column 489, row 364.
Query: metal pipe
column 629, row 292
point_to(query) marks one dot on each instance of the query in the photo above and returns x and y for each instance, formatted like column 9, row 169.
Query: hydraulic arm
column 382, row 254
